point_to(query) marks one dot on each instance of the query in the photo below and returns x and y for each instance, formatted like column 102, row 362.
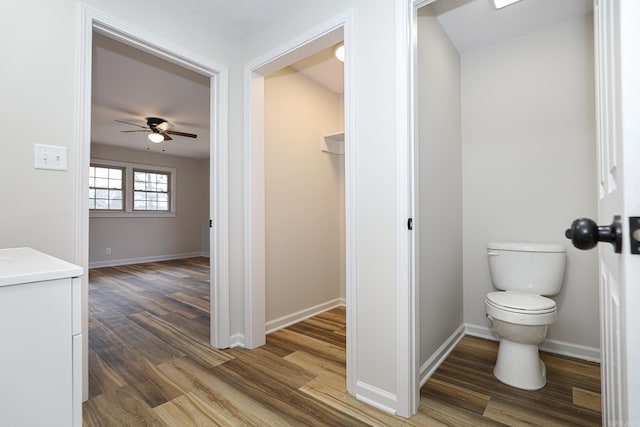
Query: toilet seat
column 521, row 309
column 518, row 302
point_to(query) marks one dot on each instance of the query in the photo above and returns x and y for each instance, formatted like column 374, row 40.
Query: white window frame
column 128, row 211
column 122, row 188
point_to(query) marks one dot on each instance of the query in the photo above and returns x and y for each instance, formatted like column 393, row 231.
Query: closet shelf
column 333, row 143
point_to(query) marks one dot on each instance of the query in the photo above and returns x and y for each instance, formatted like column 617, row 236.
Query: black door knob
column 585, row 234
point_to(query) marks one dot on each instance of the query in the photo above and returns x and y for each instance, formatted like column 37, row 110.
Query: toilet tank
column 535, row 268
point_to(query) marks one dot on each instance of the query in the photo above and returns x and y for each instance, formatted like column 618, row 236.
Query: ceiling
column 237, row 17
column 471, row 24
column 130, row 85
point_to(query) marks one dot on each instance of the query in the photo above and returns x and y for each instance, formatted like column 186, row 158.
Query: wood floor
column 151, row 365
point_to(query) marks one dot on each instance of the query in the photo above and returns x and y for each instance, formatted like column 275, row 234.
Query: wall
column 27, row 95
column 439, row 176
column 302, row 189
column 528, row 133
column 134, row 239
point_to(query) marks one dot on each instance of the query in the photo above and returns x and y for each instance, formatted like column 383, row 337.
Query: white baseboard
column 237, row 341
column 141, row 260
column 429, row 367
column 376, row 397
column 288, row 320
column 562, row 348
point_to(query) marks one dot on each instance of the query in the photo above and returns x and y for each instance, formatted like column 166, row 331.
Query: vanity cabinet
column 40, row 340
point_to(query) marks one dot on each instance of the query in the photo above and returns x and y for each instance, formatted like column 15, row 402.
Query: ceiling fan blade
column 188, row 135
column 132, row 124
column 166, row 137
column 129, row 131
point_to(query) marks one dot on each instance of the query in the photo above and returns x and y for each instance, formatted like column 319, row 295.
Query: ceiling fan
column 158, row 130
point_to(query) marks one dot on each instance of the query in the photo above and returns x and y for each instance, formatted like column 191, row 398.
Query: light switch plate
column 52, row 157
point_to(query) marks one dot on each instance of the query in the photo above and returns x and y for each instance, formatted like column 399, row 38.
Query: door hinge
column 634, row 234
column 210, row 223
column 410, row 224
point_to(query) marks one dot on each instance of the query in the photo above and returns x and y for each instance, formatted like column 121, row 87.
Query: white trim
column 128, row 189
column 431, row 365
column 254, row 216
column 407, row 299
column 90, row 19
column 376, row 397
column 290, row 319
column 311, row 41
column 351, row 224
column 237, row 341
column 142, row 260
column 562, row 348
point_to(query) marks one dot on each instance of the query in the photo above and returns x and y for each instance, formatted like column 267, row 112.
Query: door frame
column 90, row 19
column 340, row 28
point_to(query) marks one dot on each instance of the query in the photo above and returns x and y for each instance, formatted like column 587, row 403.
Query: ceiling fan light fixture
column 156, row 138
column 339, row 52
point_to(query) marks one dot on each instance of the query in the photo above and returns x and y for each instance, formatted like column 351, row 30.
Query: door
column 617, row 51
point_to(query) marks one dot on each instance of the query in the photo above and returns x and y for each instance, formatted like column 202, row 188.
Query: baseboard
column 429, row 367
column 376, row 397
column 590, row 354
column 236, row 341
column 141, row 260
column 288, row 320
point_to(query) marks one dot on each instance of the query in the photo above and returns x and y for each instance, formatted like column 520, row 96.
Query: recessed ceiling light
column 499, row 4
column 339, row 52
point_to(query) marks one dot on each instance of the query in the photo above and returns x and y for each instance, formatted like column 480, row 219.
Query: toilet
column 520, row 312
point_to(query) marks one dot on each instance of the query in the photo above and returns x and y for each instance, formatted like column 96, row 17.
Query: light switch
column 50, row 157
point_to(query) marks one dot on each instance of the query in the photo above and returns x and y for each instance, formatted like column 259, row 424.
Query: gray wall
column 439, row 173
column 140, row 238
column 302, row 195
column 528, row 150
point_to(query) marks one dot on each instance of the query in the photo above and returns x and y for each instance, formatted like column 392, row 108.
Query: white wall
column 528, row 132
column 439, row 171
column 38, row 83
column 302, row 190
column 139, row 238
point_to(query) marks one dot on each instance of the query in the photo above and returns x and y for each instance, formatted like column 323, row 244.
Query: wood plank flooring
column 151, row 365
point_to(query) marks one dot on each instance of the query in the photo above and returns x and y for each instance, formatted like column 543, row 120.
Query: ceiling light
column 339, row 52
column 156, row 137
column 499, row 4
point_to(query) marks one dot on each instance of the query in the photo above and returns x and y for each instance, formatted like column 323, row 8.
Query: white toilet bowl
column 520, row 315
column 520, row 331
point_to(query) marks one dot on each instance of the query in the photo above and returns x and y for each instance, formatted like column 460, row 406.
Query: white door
column 617, row 40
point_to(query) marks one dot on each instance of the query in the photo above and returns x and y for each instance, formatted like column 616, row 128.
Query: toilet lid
column 521, row 301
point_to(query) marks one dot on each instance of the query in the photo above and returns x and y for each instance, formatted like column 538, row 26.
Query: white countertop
column 25, row 265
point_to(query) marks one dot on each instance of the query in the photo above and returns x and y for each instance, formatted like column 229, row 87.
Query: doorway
column 524, row 101
column 304, row 190
column 90, row 21
column 331, row 35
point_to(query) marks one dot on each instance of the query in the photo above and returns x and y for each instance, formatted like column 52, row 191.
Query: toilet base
column 519, row 365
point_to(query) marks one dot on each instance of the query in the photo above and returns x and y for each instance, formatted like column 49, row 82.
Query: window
column 121, row 189
column 150, row 191
column 105, row 188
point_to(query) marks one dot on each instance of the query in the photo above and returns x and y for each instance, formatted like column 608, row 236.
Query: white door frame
column 407, row 296
column 321, row 37
column 90, row 19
